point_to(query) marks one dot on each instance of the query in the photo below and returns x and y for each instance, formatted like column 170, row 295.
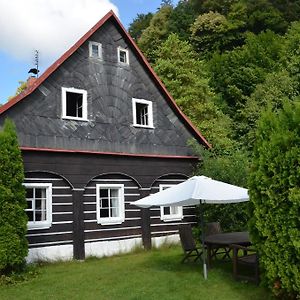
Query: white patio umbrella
column 196, row 191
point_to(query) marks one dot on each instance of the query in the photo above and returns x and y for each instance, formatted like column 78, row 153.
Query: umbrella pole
column 202, row 240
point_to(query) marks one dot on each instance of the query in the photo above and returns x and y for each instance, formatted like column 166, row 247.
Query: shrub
column 231, row 168
column 13, row 219
column 274, row 185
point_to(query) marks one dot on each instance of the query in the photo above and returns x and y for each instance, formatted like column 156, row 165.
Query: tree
column 274, row 186
column 235, row 74
column 290, row 55
column 13, row 219
column 139, row 24
column 212, row 31
column 156, row 33
column 233, row 168
column 181, row 19
column 264, row 16
column 185, row 77
column 277, row 88
column 290, row 10
column 21, row 88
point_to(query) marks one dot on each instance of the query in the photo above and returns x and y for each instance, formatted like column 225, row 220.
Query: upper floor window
column 123, row 56
column 110, row 203
column 170, row 213
column 95, row 50
column 74, row 104
column 142, row 113
column 39, row 204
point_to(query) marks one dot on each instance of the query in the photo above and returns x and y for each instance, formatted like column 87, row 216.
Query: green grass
column 156, row 274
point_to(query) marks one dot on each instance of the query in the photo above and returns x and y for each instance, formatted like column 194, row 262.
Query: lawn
column 156, row 274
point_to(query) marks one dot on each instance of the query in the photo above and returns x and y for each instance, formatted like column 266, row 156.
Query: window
column 170, row 213
column 110, row 203
column 95, row 50
column 142, row 113
column 123, row 56
column 39, row 205
column 74, row 104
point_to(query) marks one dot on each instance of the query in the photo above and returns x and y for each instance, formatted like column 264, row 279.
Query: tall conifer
column 13, row 219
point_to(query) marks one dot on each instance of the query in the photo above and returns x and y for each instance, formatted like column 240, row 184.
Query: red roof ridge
column 83, row 39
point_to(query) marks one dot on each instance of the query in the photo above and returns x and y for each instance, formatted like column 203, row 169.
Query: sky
column 51, row 27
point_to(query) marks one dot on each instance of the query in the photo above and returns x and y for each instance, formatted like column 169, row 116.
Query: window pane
column 38, row 216
column 123, row 56
column 114, row 212
column 30, row 215
column 104, row 213
column 114, row 202
column 38, row 204
column 29, row 193
column 103, row 193
column 167, row 210
column 114, row 193
column 43, row 215
column 104, row 203
column 40, row 193
column 174, row 210
column 74, row 104
column 95, row 51
column 142, row 114
column 109, row 202
column 29, row 204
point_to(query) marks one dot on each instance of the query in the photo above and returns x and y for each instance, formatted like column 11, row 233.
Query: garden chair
column 248, row 260
column 215, row 228
column 188, row 243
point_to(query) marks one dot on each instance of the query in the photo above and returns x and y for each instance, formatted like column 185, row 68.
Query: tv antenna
column 35, row 70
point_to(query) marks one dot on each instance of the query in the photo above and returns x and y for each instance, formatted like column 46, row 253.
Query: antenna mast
column 36, row 60
column 35, row 70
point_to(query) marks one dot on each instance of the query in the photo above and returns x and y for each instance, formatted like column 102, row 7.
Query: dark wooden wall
column 61, row 231
column 74, row 178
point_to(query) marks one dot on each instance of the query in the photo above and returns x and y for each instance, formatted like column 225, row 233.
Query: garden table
column 224, row 240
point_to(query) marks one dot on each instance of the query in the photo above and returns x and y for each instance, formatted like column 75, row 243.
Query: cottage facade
column 98, row 130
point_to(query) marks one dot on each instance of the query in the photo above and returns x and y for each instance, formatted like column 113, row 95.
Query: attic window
column 74, row 104
column 123, row 56
column 95, row 50
column 142, row 113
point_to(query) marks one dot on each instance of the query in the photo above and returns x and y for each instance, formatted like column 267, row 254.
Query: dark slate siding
column 110, row 87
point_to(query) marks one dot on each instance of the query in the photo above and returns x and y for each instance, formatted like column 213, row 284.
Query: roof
column 109, row 16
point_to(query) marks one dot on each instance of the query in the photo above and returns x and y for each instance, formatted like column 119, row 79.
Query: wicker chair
column 188, row 243
column 249, row 260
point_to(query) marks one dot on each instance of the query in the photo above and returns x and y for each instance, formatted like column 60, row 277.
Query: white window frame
column 48, row 222
column 171, row 216
column 135, row 101
column 111, row 220
column 99, row 45
column 64, row 91
column 119, row 56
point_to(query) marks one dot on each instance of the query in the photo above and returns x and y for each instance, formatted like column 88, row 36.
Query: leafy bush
column 231, row 168
column 275, row 198
column 13, row 219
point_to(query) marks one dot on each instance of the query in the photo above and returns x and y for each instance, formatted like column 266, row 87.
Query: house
column 97, row 131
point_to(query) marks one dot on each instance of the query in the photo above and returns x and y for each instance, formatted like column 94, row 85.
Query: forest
column 225, row 62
